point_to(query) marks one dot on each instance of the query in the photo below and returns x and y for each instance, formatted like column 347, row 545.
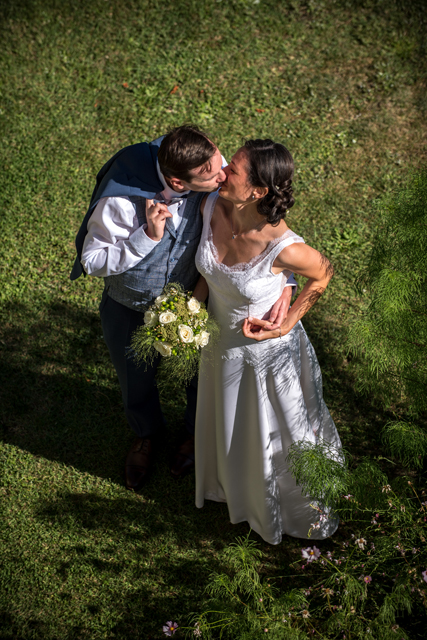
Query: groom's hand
column 156, row 219
column 279, row 311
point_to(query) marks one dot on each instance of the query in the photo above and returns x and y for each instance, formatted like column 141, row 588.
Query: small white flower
column 310, row 553
column 202, row 339
column 193, row 305
column 386, row 488
column 185, row 333
column 158, row 301
column 360, row 542
column 166, row 317
column 151, row 318
column 164, row 348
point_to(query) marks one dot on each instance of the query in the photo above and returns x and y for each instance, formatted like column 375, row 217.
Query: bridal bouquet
column 177, row 326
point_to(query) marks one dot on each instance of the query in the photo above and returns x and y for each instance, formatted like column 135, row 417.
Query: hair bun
column 272, row 166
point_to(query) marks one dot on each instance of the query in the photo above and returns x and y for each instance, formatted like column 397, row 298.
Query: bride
column 260, row 387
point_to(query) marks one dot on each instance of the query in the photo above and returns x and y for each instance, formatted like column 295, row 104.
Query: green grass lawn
column 342, row 85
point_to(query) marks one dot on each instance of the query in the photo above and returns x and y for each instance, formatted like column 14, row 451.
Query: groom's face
column 208, row 177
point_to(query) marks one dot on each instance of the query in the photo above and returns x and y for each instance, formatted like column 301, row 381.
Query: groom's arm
column 114, row 242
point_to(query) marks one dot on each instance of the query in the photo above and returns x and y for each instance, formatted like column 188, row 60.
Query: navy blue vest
column 172, row 260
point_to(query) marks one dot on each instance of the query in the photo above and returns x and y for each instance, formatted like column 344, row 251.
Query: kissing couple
column 173, row 210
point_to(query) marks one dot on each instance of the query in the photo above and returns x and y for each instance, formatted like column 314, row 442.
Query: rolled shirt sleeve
column 291, row 282
column 114, row 242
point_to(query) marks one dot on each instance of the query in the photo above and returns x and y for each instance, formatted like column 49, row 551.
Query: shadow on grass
column 60, row 398
column 142, row 561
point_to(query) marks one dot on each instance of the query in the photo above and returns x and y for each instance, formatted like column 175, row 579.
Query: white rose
column 193, row 305
column 185, row 333
column 151, row 318
column 166, row 317
column 158, row 301
column 164, row 348
column 202, row 339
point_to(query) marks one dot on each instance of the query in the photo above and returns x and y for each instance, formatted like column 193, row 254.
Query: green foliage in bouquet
column 390, row 336
column 177, row 326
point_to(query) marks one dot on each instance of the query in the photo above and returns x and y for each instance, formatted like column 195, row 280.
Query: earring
column 253, row 197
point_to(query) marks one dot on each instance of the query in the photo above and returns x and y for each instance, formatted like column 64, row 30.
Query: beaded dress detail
column 255, row 399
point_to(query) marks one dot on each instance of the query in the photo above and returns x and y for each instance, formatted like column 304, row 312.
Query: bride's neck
column 244, row 216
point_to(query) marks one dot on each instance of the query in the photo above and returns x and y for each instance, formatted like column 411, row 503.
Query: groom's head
column 190, row 161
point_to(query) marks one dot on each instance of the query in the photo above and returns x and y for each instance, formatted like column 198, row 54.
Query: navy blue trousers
column 138, row 384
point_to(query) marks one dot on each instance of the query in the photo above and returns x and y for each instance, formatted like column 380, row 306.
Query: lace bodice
column 248, row 288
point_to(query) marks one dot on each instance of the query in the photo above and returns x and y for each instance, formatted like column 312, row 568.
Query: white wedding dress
column 255, row 399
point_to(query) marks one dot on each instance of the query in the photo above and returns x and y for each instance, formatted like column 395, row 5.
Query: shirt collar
column 167, row 192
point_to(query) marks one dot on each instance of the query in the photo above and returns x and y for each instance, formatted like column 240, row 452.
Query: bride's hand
column 261, row 329
column 279, row 311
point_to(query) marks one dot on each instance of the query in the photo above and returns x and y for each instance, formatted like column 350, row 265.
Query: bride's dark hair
column 271, row 165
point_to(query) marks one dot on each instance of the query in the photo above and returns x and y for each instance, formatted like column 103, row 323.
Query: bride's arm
column 201, row 290
column 302, row 259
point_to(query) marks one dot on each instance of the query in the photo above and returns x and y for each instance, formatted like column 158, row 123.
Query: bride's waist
column 231, row 317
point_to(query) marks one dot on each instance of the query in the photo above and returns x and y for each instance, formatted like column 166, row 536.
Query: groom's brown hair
column 184, row 149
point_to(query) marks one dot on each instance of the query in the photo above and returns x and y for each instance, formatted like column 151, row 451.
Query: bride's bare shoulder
column 219, row 203
column 279, row 230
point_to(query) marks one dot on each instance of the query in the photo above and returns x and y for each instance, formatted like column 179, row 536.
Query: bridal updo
column 271, row 165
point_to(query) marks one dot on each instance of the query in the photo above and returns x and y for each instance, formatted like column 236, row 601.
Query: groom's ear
column 176, row 184
column 260, row 192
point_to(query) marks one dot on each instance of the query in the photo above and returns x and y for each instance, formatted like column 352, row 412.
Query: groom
column 140, row 232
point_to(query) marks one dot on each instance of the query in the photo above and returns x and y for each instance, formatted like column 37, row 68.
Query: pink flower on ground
column 311, row 553
column 424, row 575
column 367, row 579
column 169, row 628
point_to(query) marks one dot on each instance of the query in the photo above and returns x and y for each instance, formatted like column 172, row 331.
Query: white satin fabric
column 255, row 399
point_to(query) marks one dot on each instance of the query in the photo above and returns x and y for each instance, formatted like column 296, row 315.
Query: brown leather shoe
column 139, row 462
column 184, row 459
